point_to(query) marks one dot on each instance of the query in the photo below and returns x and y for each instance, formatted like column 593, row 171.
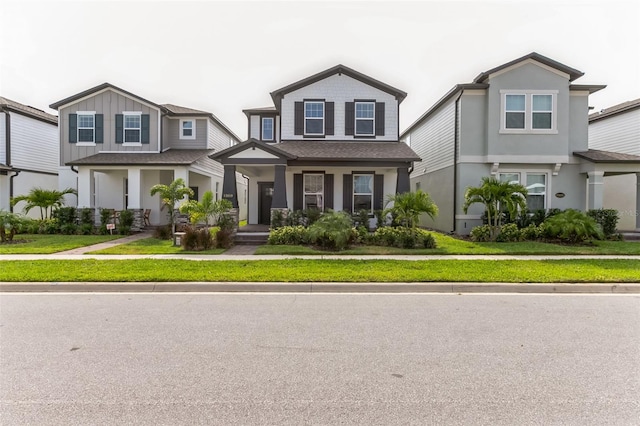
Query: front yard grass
column 45, row 244
column 332, row 270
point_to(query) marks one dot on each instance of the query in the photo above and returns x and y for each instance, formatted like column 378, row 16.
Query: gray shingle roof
column 349, row 150
column 616, row 109
column 177, row 109
column 176, row 157
column 30, row 111
column 597, row 156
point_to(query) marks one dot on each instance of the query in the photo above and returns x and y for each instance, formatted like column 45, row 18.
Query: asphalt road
column 81, row 359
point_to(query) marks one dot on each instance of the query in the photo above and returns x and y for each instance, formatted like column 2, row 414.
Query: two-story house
column 28, row 152
column 329, row 142
column 614, row 133
column 523, row 121
column 115, row 145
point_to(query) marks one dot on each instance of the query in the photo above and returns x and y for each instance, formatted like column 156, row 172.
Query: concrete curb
column 317, row 287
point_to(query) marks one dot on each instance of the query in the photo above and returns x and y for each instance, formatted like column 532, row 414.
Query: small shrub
column 332, row 231
column 607, row 219
column 226, row 223
column 362, row 218
column 295, row 218
column 65, row 216
column 481, row 234
column 85, row 229
column 277, row 219
column 86, row 216
column 163, row 232
column 403, row 238
column 9, row 225
column 312, row 216
column 362, row 233
column 530, row 233
column 572, row 226
column 429, row 242
column 126, row 221
column 48, row 226
column 197, row 239
column 381, row 218
column 289, row 235
column 509, row 233
column 224, row 238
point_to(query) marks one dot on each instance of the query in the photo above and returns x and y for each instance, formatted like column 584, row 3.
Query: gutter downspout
column 456, row 137
column 17, row 172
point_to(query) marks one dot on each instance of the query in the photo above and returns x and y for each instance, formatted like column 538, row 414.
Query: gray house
column 330, row 141
column 524, row 121
column 115, row 145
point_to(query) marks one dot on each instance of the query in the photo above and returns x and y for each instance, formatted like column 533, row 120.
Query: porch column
column 182, row 173
column 596, row 189
column 229, row 189
column 638, row 202
column 402, row 184
column 134, row 195
column 85, row 186
column 279, row 200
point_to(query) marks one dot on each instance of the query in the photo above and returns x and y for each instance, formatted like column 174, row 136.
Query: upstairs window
column 314, row 118
column 187, row 129
column 267, row 128
column 365, row 118
column 528, row 111
column 86, row 127
column 132, row 127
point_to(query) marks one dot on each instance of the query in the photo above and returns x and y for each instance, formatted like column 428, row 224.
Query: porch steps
column 631, row 236
column 251, row 238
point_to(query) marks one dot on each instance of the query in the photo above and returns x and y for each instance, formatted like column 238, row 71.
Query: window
column 187, row 129
column 363, row 192
column 313, row 191
column 365, row 118
column 528, row 111
column 314, row 118
column 86, row 127
column 132, row 127
column 217, row 190
column 267, row 128
column 536, row 184
column 195, row 193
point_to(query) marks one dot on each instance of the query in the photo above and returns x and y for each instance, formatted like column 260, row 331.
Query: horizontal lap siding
column 3, row 145
column 620, row 133
column 433, row 140
column 34, row 144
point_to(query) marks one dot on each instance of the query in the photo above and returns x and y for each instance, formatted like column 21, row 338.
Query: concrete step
column 631, row 236
column 251, row 238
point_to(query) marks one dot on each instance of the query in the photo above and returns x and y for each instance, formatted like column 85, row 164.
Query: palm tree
column 408, row 207
column 206, row 210
column 170, row 195
column 497, row 197
column 45, row 199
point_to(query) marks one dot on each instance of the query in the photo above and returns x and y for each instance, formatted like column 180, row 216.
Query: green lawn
column 45, row 244
column 152, row 246
column 299, row 270
column 449, row 245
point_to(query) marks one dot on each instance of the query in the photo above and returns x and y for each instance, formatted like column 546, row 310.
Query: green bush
column 607, row 219
column 362, row 234
column 312, row 216
column 481, row 234
column 277, row 219
column 362, row 218
column 381, row 218
column 66, row 220
column 125, row 222
column 163, row 232
column 9, row 225
column 224, row 238
column 105, row 217
column 403, row 237
column 509, row 233
column 333, row 231
column 289, row 235
column 48, row 226
column 429, row 242
column 572, row 226
column 197, row 239
column 530, row 233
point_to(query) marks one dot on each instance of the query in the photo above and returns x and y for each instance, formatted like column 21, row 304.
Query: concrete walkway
column 106, row 245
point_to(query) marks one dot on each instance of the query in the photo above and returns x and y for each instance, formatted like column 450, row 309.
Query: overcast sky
column 223, row 57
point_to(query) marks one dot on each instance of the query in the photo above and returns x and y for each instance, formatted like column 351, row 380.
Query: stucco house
column 525, row 121
column 614, row 138
column 28, row 152
column 330, row 141
column 115, row 145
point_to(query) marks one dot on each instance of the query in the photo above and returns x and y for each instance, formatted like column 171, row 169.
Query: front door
column 264, row 202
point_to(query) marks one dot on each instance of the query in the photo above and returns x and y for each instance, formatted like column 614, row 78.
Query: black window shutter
column 99, row 128
column 328, row 192
column 119, row 128
column 379, row 118
column 144, row 136
column 328, row 118
column 347, row 193
column 73, row 128
column 297, row 192
column 298, row 112
column 378, row 192
column 349, row 118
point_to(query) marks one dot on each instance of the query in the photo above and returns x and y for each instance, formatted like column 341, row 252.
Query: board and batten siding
column 109, row 103
column 34, row 144
column 618, row 133
column 433, row 140
column 172, row 134
column 339, row 89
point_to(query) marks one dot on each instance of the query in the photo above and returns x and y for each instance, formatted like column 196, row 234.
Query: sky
column 223, row 57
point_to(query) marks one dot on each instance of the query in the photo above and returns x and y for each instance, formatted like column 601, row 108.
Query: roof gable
column 252, row 149
column 97, row 89
column 38, row 114
column 572, row 72
column 277, row 95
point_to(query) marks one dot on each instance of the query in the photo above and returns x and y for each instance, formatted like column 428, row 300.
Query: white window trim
column 193, row 129
column 522, row 177
column 124, row 128
column 305, row 193
column 314, row 118
column 273, row 129
column 78, row 114
column 354, row 193
column 528, row 115
column 355, row 119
